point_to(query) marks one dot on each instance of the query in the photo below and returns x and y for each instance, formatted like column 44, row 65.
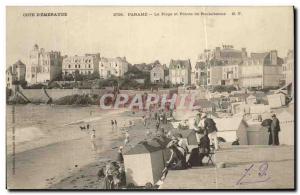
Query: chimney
column 273, row 57
column 218, row 53
column 244, row 53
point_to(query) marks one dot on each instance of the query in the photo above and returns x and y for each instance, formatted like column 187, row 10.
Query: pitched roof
column 19, row 63
column 181, row 63
column 227, row 124
column 231, row 53
column 144, row 147
column 9, row 69
column 259, row 56
column 162, row 141
column 200, row 65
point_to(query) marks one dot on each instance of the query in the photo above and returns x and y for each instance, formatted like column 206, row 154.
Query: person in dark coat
column 274, row 130
column 211, row 130
column 177, row 159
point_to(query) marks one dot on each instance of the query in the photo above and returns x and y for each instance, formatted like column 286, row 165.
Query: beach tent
column 251, row 99
column 189, row 136
column 238, row 107
column 232, row 128
column 276, row 100
column 144, row 163
column 286, row 134
column 163, row 142
column 259, row 109
column 257, row 135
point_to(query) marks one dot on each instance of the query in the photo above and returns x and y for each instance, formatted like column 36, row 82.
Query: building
column 200, row 76
column 222, row 65
column 261, row 70
column 15, row 72
column 230, row 74
column 85, row 65
column 43, row 66
column 288, row 67
column 180, row 72
column 112, row 67
column 157, row 74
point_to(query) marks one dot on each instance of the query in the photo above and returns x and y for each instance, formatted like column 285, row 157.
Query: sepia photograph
column 150, row 98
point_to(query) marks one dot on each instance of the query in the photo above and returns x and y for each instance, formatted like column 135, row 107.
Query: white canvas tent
column 144, row 163
column 276, row 100
column 232, row 128
column 286, row 134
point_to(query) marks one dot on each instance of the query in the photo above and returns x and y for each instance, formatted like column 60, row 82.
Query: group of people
column 114, row 125
column 205, row 126
column 112, row 176
column 206, row 133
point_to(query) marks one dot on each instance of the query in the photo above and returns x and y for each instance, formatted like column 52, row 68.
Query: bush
column 224, row 88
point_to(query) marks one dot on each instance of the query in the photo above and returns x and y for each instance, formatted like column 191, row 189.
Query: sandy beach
column 66, row 159
column 86, row 177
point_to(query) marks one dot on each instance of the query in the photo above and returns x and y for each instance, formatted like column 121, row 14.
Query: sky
column 147, row 38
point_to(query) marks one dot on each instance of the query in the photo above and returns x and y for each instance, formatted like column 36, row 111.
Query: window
column 89, row 66
column 75, row 66
column 78, row 66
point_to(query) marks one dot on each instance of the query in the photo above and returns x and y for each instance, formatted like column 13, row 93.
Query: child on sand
column 93, row 140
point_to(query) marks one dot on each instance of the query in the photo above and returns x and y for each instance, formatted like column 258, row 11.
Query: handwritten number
column 263, row 169
column 262, row 172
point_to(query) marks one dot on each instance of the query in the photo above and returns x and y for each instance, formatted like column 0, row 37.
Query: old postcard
column 165, row 98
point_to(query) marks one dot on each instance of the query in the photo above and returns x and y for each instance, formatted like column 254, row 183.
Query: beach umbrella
column 266, row 122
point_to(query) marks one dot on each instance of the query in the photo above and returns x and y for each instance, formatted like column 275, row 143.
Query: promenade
column 268, row 167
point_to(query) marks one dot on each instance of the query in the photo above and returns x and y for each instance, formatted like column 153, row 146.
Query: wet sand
column 73, row 163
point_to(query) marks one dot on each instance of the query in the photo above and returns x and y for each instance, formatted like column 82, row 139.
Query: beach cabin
column 144, row 163
column 163, row 142
column 251, row 99
column 232, row 128
column 205, row 105
column 259, row 109
column 286, row 134
column 238, row 107
column 276, row 100
column 257, row 135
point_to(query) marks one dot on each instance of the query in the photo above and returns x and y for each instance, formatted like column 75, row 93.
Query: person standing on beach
column 211, row 130
column 112, row 125
column 93, row 140
column 198, row 127
column 126, row 141
column 144, row 120
column 116, row 125
column 120, row 158
column 274, row 130
column 157, row 125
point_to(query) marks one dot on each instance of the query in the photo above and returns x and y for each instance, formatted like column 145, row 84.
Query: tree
column 78, row 76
